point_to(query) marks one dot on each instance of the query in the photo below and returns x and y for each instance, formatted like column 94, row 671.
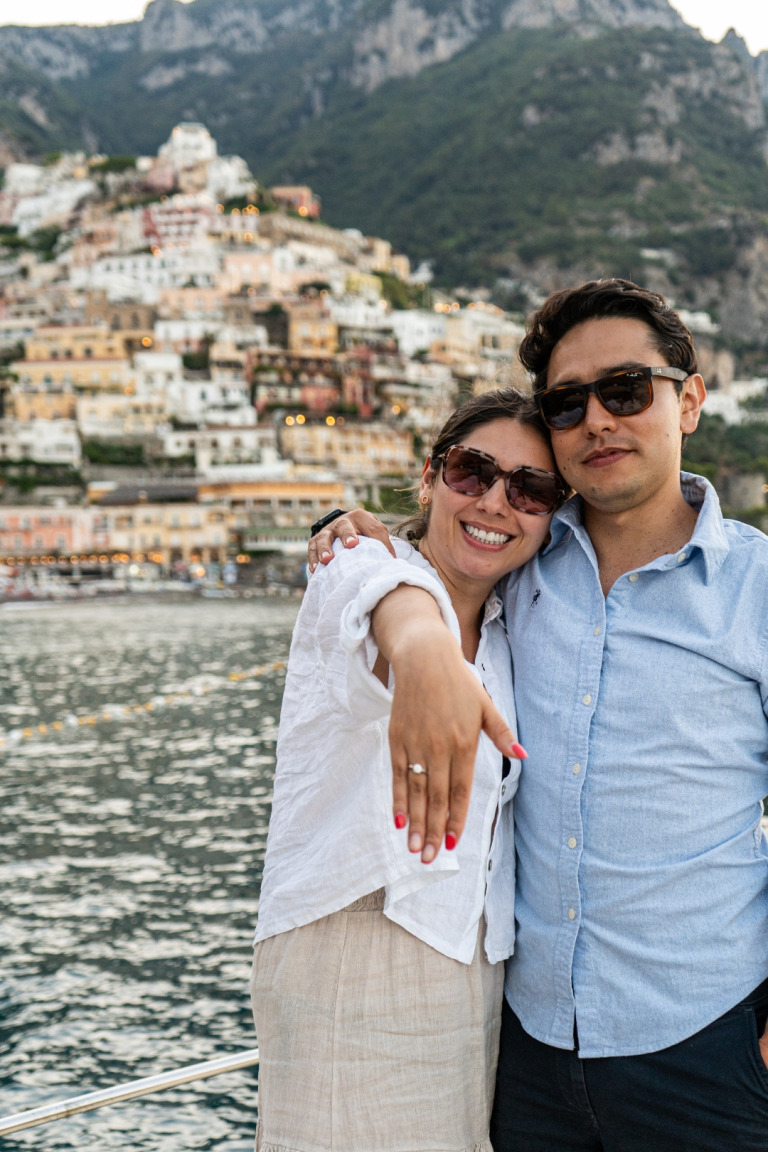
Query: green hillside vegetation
column 248, row 109
column 735, row 447
column 487, row 157
column 486, row 164
column 448, row 166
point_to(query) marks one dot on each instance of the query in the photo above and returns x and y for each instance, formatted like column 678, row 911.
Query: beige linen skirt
column 371, row 1041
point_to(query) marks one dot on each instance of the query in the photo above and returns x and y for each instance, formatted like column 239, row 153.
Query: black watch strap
column 324, row 521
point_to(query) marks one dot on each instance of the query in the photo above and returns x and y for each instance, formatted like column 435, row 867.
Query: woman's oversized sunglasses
column 471, row 472
column 624, row 393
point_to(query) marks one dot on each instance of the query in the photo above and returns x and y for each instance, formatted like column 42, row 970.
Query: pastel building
column 36, row 531
column 354, row 450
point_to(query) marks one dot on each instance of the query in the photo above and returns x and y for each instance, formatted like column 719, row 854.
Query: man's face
column 620, row 462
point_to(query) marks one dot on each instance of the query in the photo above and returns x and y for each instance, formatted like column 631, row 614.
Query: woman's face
column 484, row 537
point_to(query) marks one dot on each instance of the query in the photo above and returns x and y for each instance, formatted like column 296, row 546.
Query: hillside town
column 195, row 368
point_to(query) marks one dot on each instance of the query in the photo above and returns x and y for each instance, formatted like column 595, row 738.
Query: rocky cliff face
column 63, row 52
column 409, row 35
column 409, row 38
column 600, row 13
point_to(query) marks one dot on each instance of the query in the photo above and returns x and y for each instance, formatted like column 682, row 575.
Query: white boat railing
column 59, row 1110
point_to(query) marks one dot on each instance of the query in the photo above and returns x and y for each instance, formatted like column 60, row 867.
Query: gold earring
column 424, row 500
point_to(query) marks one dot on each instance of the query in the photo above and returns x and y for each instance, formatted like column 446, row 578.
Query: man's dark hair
column 597, row 300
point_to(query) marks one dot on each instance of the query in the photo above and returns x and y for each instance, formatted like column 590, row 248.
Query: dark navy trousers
column 708, row 1093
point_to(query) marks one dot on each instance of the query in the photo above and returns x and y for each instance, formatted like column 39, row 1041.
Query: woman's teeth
column 485, row 537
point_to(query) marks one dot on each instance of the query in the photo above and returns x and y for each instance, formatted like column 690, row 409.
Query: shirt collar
column 493, row 607
column 709, row 536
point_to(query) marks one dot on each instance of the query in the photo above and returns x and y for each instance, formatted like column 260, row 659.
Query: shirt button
column 587, row 699
column 597, row 631
column 503, row 789
column 576, row 769
column 571, row 914
column 681, row 557
column 633, row 576
column 490, row 865
column 572, row 842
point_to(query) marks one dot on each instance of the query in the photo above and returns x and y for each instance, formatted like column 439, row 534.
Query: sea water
column 131, row 848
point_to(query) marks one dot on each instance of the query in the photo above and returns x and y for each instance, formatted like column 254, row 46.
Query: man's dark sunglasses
column 471, row 472
column 622, row 393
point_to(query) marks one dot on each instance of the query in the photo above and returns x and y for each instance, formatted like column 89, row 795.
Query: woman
column 377, row 980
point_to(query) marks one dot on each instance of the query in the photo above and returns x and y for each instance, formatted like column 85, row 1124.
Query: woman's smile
column 486, row 537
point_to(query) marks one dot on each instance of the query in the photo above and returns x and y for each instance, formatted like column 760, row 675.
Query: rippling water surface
column 130, row 860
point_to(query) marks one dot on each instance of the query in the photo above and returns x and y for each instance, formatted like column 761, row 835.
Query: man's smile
column 601, row 457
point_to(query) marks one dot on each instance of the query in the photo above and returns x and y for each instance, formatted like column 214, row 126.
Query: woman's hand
column 438, row 711
column 347, row 528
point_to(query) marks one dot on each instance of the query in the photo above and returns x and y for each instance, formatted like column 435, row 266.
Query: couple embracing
column 516, row 888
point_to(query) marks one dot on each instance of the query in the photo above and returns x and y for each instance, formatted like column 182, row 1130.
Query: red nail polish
column 400, row 820
column 519, row 752
column 450, row 841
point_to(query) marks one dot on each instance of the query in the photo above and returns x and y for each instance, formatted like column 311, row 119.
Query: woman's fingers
column 418, row 783
column 496, row 727
column 462, row 774
column 399, row 781
column 436, row 805
column 439, row 709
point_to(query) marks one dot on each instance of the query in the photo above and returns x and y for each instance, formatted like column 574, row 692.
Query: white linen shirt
column 332, row 837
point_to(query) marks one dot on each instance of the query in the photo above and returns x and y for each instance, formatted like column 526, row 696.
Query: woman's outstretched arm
column 439, row 709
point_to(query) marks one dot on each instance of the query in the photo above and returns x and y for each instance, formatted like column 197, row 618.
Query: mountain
column 527, row 142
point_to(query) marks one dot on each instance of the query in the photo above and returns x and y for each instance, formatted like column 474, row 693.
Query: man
column 636, row 1002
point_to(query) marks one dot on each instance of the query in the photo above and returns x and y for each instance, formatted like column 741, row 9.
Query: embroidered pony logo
column 536, row 595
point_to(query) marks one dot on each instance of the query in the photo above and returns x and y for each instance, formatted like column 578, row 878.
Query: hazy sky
column 749, row 17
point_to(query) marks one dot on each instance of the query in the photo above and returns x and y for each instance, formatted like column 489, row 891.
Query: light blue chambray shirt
column 642, row 881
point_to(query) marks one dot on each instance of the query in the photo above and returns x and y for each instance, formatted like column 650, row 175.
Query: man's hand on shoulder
column 347, row 528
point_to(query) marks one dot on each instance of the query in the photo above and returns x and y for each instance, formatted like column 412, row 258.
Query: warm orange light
column 303, row 211
column 301, row 419
column 290, row 421
column 146, row 341
column 330, row 420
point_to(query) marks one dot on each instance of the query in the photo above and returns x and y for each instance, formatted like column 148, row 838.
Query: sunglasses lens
column 626, row 393
column 534, row 490
column 563, row 407
column 623, row 394
column 466, row 471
